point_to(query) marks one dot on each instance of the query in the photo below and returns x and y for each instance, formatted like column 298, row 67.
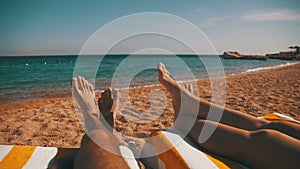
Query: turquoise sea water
column 35, row 77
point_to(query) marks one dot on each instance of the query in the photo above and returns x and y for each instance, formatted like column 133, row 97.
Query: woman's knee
column 185, row 122
column 263, row 134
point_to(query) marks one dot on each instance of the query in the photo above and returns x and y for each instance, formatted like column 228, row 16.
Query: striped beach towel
column 181, row 153
column 184, row 153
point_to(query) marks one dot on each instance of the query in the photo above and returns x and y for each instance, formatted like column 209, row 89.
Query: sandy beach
column 54, row 122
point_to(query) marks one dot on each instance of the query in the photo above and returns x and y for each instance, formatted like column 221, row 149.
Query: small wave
column 270, row 67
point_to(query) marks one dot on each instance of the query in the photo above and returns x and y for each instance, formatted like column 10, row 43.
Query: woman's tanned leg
column 189, row 102
column 240, row 137
column 256, row 149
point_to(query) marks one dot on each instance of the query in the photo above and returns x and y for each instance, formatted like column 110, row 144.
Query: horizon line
column 103, row 54
column 73, row 54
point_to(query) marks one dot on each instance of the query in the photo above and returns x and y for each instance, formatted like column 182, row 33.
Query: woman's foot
column 171, row 85
column 182, row 98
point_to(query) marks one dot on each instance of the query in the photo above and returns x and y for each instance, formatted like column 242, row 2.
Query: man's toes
column 80, row 83
column 90, row 87
column 108, row 93
column 74, row 82
column 105, row 102
column 102, row 95
column 84, row 83
column 99, row 103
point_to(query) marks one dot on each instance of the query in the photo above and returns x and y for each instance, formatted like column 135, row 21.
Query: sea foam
column 270, row 67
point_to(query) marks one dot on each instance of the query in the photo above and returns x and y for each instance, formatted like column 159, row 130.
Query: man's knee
column 93, row 135
column 97, row 133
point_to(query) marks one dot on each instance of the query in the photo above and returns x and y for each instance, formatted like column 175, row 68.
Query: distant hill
column 288, row 55
column 47, row 52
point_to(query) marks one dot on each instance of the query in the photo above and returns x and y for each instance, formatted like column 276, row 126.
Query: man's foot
column 107, row 104
column 84, row 96
column 180, row 95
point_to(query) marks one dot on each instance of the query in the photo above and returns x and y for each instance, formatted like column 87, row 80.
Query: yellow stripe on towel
column 279, row 117
column 17, row 157
column 174, row 159
column 217, row 162
column 161, row 143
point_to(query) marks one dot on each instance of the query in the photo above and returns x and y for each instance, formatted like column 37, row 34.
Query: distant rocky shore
column 284, row 56
column 237, row 55
column 290, row 55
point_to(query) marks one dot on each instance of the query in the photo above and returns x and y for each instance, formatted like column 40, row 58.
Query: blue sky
column 51, row 27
